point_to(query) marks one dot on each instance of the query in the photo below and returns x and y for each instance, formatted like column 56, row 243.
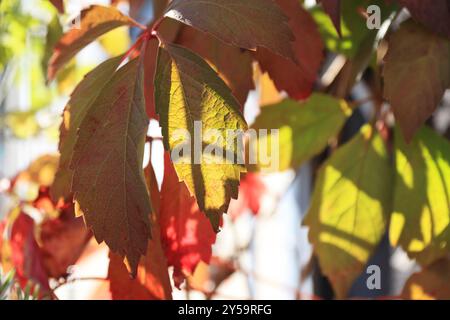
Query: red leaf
column 251, row 191
column 186, row 234
column 59, row 5
column 296, row 79
column 152, row 278
column 26, row 255
column 62, row 243
column 435, row 15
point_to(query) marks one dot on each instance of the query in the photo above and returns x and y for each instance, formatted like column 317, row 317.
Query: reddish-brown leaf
column 435, row 15
column 416, row 75
column 108, row 181
column 187, row 235
column 245, row 24
column 233, row 64
column 296, row 79
column 94, row 21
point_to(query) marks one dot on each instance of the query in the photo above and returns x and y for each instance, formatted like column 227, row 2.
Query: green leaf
column 79, row 104
column 304, row 130
column 246, row 24
column 416, row 75
column 421, row 217
column 108, row 181
column 350, row 207
column 189, row 92
column 94, row 22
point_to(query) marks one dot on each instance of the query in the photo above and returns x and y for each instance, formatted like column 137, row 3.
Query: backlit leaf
column 185, row 231
column 304, row 131
column 108, row 180
column 81, row 100
column 350, row 207
column 421, row 218
column 190, row 96
column 296, row 79
column 416, row 75
column 246, row 24
column 94, row 22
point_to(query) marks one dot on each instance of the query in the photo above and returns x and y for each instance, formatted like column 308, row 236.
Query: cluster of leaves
column 194, row 62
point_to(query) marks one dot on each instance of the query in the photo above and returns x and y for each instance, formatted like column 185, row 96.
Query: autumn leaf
column 435, row 15
column 94, row 22
column 81, row 100
column 145, row 286
column 186, row 233
column 296, row 79
column 108, row 180
column 304, row 131
column 233, row 64
column 416, row 75
column 190, row 96
column 421, row 216
column 62, row 241
column 245, row 24
column 26, row 256
column 430, row 283
column 350, row 207
column 58, row 4
column 333, row 9
column 152, row 279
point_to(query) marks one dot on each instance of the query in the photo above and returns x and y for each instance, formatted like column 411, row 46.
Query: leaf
column 189, row 95
column 233, row 64
column 62, row 241
column 245, row 24
column 296, row 79
column 152, row 281
column 429, row 284
column 416, row 75
column 108, row 182
column 421, row 216
column 94, row 22
column 304, row 131
column 187, row 235
column 435, row 15
column 54, row 32
column 350, row 207
column 81, row 101
column 145, row 286
column 251, row 192
column 26, row 255
column 333, row 9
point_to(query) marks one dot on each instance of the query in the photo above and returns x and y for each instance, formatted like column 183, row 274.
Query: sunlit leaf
column 421, row 218
column 189, row 96
column 350, row 207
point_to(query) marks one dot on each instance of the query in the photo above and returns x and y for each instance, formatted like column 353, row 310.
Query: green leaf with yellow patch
column 421, row 217
column 350, row 208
